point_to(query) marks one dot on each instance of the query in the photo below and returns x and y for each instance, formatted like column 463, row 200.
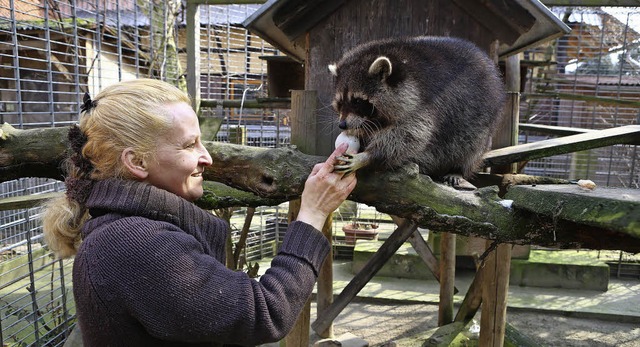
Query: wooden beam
column 26, row 201
column 628, row 134
column 66, row 74
column 587, row 98
column 472, row 300
column 248, row 103
column 375, row 263
column 552, row 129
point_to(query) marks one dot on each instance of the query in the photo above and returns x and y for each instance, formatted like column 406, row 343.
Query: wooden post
column 447, row 277
column 303, row 129
column 498, row 263
column 303, row 122
column 193, row 54
column 494, row 296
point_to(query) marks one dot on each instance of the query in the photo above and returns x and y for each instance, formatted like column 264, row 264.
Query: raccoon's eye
column 363, row 107
column 360, row 102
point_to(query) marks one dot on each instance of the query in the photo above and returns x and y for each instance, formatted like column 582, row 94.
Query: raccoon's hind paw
column 351, row 162
column 458, row 182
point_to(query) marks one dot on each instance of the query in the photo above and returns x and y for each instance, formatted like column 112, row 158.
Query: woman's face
column 180, row 157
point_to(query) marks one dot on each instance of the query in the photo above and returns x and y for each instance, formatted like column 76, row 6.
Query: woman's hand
column 325, row 190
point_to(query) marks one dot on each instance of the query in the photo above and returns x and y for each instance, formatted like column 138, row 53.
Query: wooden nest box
column 283, row 75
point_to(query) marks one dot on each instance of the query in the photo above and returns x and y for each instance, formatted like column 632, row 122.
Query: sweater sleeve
column 178, row 292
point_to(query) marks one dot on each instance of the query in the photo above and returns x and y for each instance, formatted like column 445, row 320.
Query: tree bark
column 546, row 215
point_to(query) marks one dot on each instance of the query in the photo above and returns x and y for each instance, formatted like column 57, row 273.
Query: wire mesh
column 589, row 79
column 51, row 53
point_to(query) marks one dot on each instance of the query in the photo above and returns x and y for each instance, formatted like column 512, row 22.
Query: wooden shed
column 318, row 32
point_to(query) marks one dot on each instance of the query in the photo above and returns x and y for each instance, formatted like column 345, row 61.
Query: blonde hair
column 126, row 114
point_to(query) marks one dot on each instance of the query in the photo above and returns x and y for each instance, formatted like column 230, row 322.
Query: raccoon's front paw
column 351, row 162
column 458, row 182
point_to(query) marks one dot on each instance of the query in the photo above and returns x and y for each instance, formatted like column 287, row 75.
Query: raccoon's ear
column 333, row 69
column 381, row 66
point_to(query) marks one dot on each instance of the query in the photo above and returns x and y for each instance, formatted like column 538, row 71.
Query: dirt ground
column 380, row 323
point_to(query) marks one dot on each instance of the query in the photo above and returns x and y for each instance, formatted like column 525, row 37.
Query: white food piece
column 506, row 203
column 587, row 184
column 352, row 141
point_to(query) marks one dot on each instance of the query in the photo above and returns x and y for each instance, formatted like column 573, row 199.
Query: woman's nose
column 205, row 158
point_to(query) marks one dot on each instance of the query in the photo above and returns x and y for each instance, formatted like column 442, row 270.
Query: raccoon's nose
column 342, row 125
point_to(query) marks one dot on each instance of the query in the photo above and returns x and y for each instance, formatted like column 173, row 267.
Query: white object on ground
column 587, row 184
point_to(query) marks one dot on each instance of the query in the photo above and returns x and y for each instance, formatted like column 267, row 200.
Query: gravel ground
column 381, row 323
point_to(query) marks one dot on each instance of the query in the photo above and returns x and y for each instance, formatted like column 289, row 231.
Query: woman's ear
column 134, row 163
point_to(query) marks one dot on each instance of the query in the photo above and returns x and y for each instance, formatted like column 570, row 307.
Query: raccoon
column 434, row 101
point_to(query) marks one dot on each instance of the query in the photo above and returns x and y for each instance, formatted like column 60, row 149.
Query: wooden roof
column 517, row 24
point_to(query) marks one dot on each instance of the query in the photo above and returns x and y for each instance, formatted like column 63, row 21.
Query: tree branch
column 560, row 216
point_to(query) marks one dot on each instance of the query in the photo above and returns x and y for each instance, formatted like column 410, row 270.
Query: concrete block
column 405, row 263
column 560, row 269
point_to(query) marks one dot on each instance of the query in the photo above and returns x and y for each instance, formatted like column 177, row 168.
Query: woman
column 149, row 265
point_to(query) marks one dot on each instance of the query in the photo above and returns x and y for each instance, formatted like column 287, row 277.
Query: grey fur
column 437, row 104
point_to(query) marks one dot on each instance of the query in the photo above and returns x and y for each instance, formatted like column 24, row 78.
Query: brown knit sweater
column 150, row 272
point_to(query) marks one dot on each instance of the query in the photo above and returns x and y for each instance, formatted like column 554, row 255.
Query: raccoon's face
column 357, row 99
column 356, row 113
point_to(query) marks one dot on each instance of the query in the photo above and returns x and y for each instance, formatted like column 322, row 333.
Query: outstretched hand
column 325, row 190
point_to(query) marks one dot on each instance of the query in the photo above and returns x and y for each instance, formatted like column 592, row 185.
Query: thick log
column 258, row 177
column 31, row 153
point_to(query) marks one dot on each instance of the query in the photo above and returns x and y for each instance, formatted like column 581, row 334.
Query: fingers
column 327, row 166
column 316, row 168
column 337, row 152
